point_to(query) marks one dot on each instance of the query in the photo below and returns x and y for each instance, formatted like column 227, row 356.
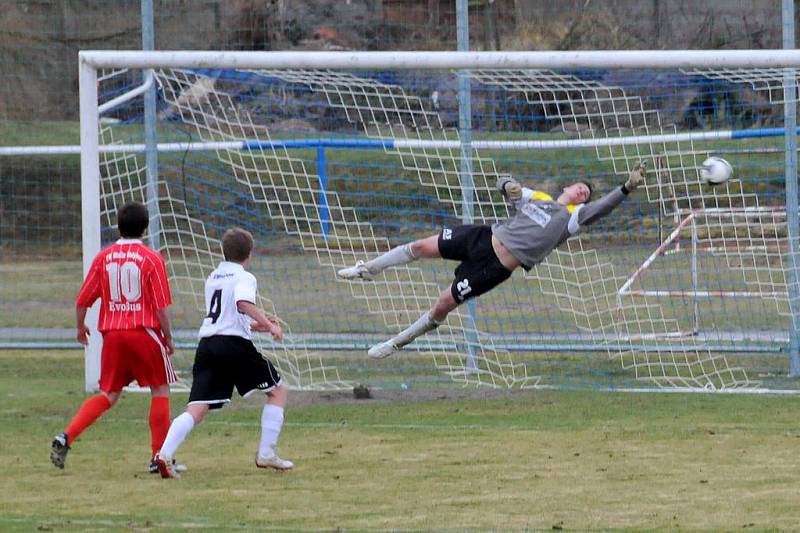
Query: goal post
column 90, row 207
column 337, row 156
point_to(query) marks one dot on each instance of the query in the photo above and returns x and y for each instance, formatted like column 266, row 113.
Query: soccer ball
column 716, row 170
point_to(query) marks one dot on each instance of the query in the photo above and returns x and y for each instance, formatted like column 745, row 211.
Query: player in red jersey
column 131, row 282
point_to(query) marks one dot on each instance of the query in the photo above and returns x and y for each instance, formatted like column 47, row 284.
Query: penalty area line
column 236, row 423
column 148, row 524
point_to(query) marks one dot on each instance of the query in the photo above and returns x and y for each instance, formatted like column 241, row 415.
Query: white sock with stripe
column 271, row 424
column 178, row 431
column 400, row 255
column 423, row 325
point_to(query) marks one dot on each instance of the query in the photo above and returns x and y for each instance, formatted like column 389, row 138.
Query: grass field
column 307, row 296
column 416, row 460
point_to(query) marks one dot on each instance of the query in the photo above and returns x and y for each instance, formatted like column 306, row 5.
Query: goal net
column 683, row 286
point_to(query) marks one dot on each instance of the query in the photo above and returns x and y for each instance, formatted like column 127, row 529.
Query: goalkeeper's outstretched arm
column 509, row 187
column 595, row 210
column 512, row 191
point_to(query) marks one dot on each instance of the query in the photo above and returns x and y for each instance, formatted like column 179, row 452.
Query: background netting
column 683, row 286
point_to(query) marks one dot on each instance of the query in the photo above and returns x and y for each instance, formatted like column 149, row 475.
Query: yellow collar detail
column 539, row 195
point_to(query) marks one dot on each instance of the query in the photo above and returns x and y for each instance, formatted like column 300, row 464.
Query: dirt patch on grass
column 297, row 398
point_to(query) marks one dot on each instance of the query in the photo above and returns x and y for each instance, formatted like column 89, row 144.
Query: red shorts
column 138, row 354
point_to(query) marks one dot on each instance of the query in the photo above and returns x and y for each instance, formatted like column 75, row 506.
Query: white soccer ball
column 716, row 170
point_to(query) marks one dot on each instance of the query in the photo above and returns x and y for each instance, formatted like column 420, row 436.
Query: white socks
column 271, row 424
column 178, row 431
column 399, row 255
column 423, row 325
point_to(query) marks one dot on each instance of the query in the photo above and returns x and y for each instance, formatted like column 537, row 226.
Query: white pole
column 90, row 208
column 445, row 60
column 382, row 143
column 128, row 96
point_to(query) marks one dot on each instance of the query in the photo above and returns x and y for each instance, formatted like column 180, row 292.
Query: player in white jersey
column 226, row 357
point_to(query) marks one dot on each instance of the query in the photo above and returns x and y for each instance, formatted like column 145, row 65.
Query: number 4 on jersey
column 215, row 307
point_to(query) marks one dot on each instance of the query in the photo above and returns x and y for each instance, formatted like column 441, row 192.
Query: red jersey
column 131, row 280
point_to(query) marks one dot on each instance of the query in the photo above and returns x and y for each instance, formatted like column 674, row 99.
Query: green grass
column 536, row 460
column 303, row 292
column 32, row 133
column 29, row 287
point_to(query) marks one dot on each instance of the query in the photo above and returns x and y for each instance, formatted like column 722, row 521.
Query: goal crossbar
column 444, row 60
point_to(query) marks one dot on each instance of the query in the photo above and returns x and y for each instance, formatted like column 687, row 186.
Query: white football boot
column 274, row 462
column 359, row 271
column 384, row 349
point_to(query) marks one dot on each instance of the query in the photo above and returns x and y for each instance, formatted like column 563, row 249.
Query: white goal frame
column 92, row 61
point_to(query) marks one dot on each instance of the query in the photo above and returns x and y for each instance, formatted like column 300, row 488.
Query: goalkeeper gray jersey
column 537, row 224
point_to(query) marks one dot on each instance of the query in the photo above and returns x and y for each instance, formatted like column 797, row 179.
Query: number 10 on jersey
column 124, row 279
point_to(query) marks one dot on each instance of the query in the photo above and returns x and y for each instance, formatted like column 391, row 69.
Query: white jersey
column 228, row 284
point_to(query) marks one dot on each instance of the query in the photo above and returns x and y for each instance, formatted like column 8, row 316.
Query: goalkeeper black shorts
column 480, row 270
column 223, row 362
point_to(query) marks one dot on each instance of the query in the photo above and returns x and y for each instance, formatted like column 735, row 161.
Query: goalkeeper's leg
column 427, row 322
column 400, row 255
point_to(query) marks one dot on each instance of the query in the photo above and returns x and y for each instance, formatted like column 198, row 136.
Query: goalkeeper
column 536, row 226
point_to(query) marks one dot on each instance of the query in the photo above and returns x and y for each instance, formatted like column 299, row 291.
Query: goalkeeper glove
column 513, row 189
column 636, row 176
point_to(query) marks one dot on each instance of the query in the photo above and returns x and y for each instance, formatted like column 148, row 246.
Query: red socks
column 159, row 422
column 92, row 409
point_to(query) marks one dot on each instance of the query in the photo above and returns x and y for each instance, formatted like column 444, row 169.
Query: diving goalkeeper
column 536, row 226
